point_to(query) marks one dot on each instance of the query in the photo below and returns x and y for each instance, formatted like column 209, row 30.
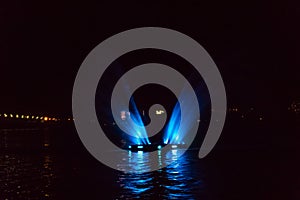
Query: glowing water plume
column 138, row 124
column 182, row 120
column 171, row 132
column 130, row 120
column 133, row 124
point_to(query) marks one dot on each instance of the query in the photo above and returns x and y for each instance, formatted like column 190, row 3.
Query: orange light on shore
column 45, row 118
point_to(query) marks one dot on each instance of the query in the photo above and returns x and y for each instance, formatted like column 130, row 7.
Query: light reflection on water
column 23, row 176
column 29, row 169
column 176, row 181
column 28, row 176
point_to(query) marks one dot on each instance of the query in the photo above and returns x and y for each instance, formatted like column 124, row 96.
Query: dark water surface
column 38, row 168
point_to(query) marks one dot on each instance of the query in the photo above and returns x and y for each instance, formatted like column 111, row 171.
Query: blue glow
column 140, row 147
column 133, row 124
column 129, row 146
column 158, row 147
column 176, row 179
column 159, row 153
column 138, row 125
column 174, row 152
column 171, row 133
column 140, row 152
column 182, row 120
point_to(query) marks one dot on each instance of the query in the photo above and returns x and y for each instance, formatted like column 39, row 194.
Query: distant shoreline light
column 33, row 117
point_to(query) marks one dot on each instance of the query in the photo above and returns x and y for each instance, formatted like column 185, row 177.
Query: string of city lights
column 294, row 107
column 33, row 117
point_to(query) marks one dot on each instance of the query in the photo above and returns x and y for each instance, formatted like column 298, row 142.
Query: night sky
column 255, row 45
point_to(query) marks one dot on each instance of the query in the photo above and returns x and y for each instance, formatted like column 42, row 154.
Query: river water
column 37, row 169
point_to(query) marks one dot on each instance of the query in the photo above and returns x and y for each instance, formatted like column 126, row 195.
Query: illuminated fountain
column 171, row 133
column 175, row 133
